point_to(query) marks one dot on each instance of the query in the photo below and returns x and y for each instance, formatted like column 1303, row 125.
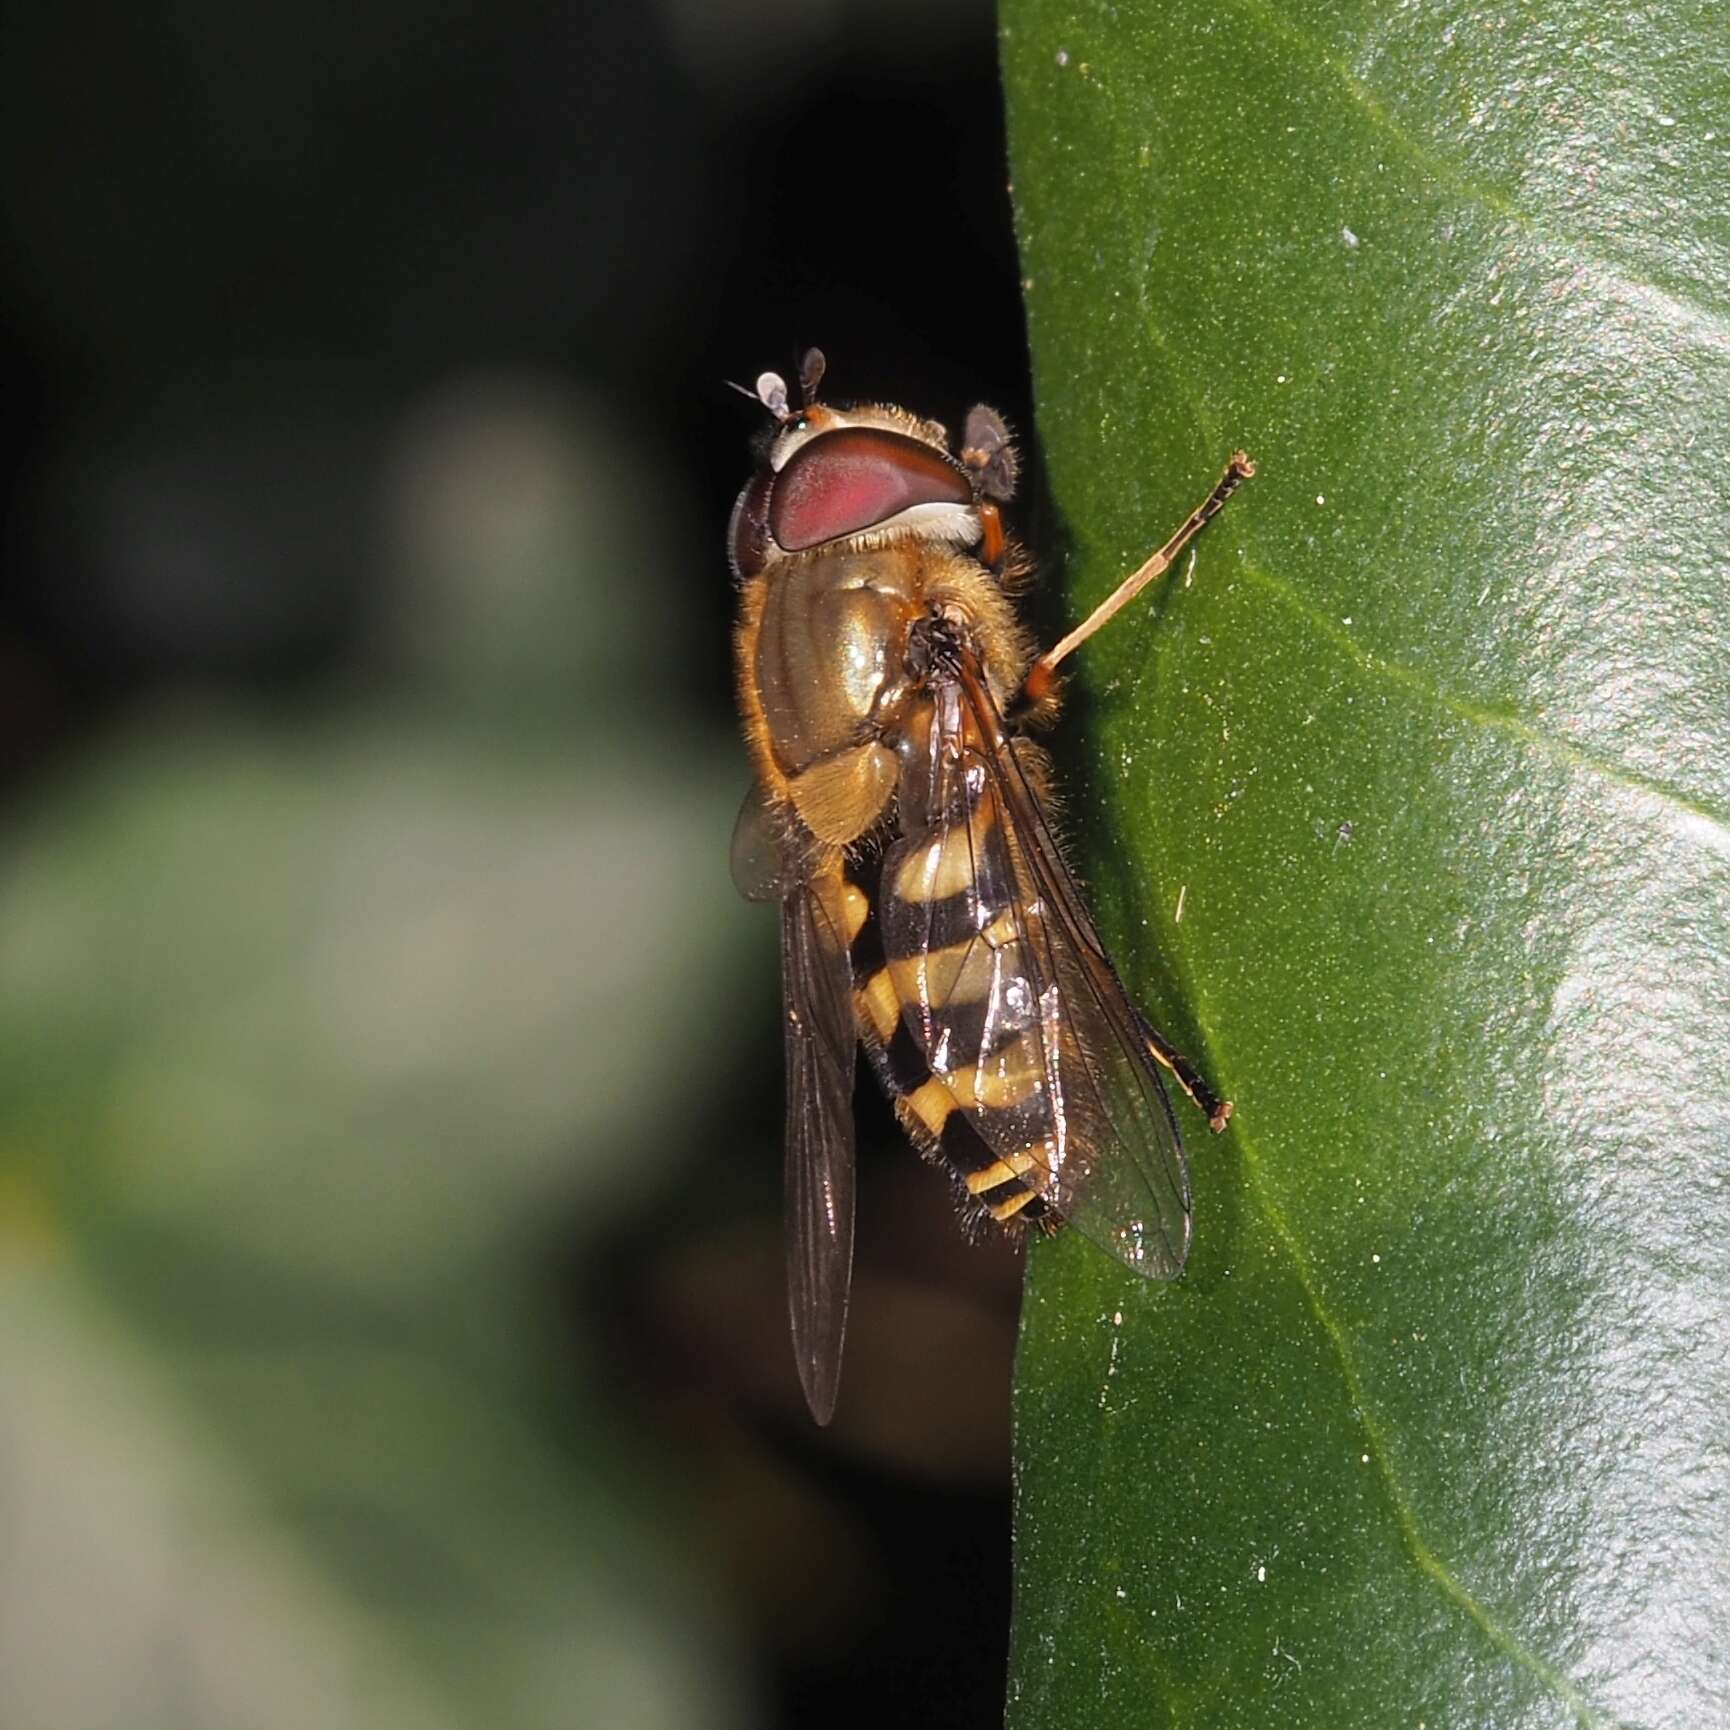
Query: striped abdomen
column 889, row 980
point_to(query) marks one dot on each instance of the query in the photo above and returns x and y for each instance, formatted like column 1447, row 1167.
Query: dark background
column 377, row 1002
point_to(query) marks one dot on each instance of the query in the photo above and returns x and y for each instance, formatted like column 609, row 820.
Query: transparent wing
column 1009, row 994
column 817, row 993
column 755, row 855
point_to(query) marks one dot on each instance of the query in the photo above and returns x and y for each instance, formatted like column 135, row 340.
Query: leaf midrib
column 1422, row 1552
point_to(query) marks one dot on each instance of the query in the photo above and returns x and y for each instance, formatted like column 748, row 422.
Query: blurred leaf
column 1433, row 745
column 530, row 560
column 309, row 1043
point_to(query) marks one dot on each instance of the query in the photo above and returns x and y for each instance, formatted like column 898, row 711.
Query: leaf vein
column 1706, row 323
column 1701, row 822
column 1421, row 1552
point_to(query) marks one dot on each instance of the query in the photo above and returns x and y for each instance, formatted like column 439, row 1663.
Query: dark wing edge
column 817, row 993
column 1120, row 1085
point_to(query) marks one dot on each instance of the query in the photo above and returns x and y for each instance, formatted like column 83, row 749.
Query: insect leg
column 1189, row 1078
column 1040, row 675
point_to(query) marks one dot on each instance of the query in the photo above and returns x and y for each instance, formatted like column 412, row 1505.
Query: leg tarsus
column 1216, row 1110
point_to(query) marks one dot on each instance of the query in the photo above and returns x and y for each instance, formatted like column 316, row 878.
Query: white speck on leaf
column 1350, row 239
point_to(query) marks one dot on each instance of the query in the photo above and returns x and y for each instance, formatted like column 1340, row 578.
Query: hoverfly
column 899, row 817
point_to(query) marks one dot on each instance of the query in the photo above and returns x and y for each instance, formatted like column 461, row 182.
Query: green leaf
column 1432, row 744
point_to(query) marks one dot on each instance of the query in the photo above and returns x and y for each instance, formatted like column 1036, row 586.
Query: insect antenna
column 811, row 370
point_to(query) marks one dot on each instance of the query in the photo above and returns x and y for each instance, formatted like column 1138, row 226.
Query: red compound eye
column 841, row 482
column 747, row 533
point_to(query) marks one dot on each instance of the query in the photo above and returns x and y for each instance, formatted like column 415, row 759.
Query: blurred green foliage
column 324, row 1034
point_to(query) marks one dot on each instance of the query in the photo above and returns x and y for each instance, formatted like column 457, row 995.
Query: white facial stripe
column 954, row 525
column 939, row 521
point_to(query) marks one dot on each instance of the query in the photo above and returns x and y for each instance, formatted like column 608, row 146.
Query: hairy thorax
column 826, row 663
